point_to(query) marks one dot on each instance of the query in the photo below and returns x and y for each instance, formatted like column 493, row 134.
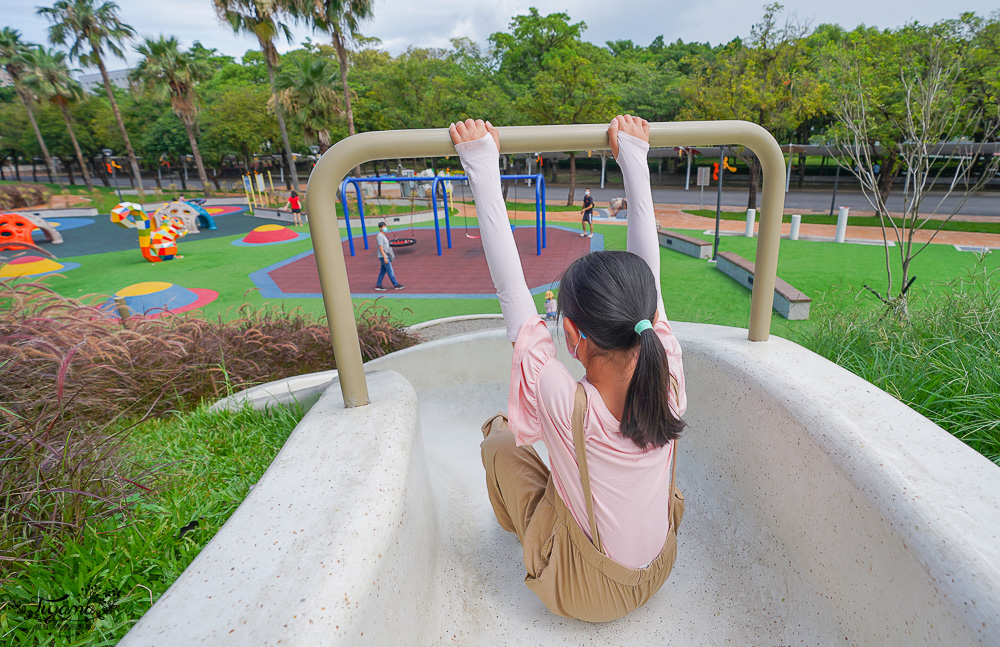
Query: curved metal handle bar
column 337, row 162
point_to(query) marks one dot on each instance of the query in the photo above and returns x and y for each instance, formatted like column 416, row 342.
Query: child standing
column 551, row 307
column 296, row 206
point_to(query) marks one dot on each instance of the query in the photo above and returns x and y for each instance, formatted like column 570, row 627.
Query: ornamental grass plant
column 943, row 359
column 75, row 379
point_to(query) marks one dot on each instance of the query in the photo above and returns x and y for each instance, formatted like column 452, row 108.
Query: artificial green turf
column 859, row 221
column 830, row 273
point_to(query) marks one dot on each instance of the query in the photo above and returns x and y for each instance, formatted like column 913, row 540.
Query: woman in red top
column 296, row 206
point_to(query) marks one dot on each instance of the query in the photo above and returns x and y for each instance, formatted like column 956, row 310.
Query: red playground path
column 461, row 272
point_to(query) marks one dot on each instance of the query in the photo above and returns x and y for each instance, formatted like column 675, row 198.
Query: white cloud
column 403, row 23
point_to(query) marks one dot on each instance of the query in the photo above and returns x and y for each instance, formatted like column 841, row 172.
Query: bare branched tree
column 918, row 110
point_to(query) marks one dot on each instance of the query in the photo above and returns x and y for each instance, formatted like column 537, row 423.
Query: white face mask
column 572, row 351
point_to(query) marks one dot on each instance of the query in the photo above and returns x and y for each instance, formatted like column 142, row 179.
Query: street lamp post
column 108, row 165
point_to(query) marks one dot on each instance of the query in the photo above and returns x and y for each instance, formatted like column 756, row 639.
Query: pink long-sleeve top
column 630, row 486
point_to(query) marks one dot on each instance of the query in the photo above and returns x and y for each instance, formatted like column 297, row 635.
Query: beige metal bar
column 337, row 162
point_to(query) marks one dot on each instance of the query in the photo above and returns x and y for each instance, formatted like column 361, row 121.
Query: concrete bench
column 788, row 301
column 686, row 244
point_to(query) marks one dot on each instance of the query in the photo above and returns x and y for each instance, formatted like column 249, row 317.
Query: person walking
column 385, row 257
column 588, row 214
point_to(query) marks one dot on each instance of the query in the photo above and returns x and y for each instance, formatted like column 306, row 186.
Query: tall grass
column 943, row 360
column 74, row 380
column 100, row 582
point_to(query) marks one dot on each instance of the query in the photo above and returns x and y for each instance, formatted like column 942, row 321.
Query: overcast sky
column 403, row 23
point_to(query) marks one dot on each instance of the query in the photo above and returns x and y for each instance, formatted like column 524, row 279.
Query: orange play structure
column 15, row 234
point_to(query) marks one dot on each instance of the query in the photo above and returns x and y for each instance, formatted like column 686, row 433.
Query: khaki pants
column 564, row 569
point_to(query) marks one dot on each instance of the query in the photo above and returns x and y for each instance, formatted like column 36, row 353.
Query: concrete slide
column 819, row 511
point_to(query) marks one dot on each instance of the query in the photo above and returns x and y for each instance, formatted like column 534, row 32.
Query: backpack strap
column 579, row 411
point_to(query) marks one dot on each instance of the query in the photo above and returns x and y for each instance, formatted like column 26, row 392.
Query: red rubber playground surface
column 461, row 271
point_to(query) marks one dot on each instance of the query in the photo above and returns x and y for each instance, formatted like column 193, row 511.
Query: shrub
column 18, row 196
column 941, row 360
column 73, row 379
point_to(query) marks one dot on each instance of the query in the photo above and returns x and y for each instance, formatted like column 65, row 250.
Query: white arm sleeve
column 481, row 161
column 642, row 238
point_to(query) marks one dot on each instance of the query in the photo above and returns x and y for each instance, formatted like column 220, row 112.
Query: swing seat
column 402, row 242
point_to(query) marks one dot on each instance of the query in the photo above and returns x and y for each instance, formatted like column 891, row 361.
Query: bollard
column 796, row 221
column 751, row 217
column 842, row 224
column 123, row 310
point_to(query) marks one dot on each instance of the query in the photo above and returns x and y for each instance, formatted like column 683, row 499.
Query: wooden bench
column 788, row 301
column 686, row 244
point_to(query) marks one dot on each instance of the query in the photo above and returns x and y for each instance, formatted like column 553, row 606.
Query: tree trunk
column 180, row 173
column 754, row 179
column 17, row 167
column 26, row 100
column 34, row 170
column 293, row 175
column 76, row 147
column 802, row 170
column 338, row 43
column 888, row 173
column 133, row 162
column 105, row 176
column 69, row 171
column 572, row 179
column 202, row 175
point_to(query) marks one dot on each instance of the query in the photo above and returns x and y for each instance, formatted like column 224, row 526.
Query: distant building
column 118, row 78
column 5, row 80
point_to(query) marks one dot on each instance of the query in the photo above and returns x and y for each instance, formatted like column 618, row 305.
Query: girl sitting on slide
column 599, row 531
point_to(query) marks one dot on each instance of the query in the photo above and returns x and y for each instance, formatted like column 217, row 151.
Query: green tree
column 900, row 100
column 262, row 19
column 522, row 52
column 770, row 80
column 83, row 23
column 570, row 89
column 17, row 57
column 49, row 78
column 235, row 124
column 306, row 91
column 167, row 71
column 342, row 18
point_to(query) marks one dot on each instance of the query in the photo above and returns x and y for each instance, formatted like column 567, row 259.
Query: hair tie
column 642, row 325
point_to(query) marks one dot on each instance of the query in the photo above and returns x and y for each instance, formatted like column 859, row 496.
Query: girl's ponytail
column 647, row 420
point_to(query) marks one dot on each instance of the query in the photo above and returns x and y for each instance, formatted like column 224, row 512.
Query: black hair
column 294, row 194
column 606, row 294
column 382, row 224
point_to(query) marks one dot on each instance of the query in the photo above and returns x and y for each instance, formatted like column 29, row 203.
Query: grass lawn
column 202, row 467
column 524, row 205
column 856, row 221
column 831, row 274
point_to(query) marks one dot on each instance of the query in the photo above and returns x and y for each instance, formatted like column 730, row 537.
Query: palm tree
column 342, row 18
column 261, row 18
column 306, row 91
column 167, row 70
column 83, row 24
column 16, row 57
column 49, row 78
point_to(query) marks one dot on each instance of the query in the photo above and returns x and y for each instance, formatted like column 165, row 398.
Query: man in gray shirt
column 385, row 256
